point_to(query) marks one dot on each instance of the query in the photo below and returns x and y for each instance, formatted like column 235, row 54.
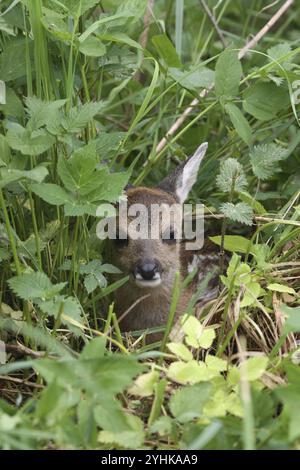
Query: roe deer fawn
column 152, row 263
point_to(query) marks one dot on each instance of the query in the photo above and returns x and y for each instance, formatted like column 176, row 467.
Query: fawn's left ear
column 183, row 178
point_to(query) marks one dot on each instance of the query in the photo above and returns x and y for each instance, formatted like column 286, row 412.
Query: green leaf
column 92, row 47
column 264, row 160
column 166, row 50
column 265, row 100
column 34, row 285
column 216, row 364
column 181, row 351
column 256, row 205
column 239, row 122
column 193, row 79
column 94, row 349
column 13, row 60
column 281, row 288
column 293, row 321
column 8, row 175
column 228, row 74
column 53, row 194
column 79, row 117
column 27, row 142
column 41, row 112
column 144, row 385
column 187, row 403
column 231, row 176
column 233, row 243
column 239, row 212
column 190, row 372
column 255, row 367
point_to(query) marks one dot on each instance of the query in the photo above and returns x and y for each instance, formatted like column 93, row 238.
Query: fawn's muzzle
column 147, row 273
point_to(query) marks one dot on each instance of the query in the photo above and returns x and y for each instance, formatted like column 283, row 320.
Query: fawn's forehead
column 148, row 196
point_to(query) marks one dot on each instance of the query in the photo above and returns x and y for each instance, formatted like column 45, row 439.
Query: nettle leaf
column 193, row 79
column 79, row 116
column 239, row 122
column 228, row 74
column 27, row 142
column 231, row 176
column 41, row 112
column 239, row 212
column 265, row 100
column 187, row 403
column 29, row 286
column 278, row 51
column 264, row 160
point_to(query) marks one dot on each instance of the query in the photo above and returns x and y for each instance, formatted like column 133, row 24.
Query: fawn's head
column 147, row 247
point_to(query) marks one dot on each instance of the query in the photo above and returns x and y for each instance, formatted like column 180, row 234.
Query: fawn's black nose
column 147, row 269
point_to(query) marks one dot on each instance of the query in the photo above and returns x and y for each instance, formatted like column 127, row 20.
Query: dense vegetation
column 88, row 90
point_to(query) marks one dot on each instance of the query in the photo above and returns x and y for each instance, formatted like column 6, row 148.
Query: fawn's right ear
column 183, row 178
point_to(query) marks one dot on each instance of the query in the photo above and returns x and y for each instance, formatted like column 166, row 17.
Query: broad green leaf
column 190, row 372
column 265, row 100
column 8, row 175
column 255, row 367
column 293, row 320
column 228, row 74
column 94, row 349
column 252, row 293
column 53, row 194
column 215, row 363
column 181, row 351
column 92, row 47
column 193, row 79
column 27, row 142
column 233, row 243
column 239, row 122
column 281, row 288
column 187, row 403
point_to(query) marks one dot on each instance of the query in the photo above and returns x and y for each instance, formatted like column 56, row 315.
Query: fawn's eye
column 169, row 237
column 121, row 242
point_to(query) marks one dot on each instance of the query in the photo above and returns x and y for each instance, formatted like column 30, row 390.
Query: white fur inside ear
column 190, row 171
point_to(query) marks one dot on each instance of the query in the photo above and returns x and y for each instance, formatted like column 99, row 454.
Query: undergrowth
column 85, row 99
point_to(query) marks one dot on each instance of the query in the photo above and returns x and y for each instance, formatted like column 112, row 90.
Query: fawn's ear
column 183, row 178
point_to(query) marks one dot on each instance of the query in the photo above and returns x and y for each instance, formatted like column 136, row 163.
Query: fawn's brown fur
column 152, row 264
